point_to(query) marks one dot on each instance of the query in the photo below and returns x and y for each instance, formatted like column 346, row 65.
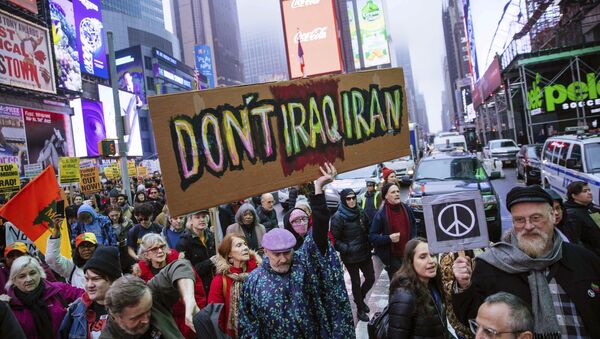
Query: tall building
column 214, row 23
column 139, row 22
column 263, row 46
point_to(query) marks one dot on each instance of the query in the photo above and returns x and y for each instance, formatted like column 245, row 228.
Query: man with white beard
column 560, row 281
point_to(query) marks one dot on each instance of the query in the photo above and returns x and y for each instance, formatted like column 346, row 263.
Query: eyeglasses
column 301, row 220
column 350, row 198
column 154, row 250
column 487, row 332
column 533, row 219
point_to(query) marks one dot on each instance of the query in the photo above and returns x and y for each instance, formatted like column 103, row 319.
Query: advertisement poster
column 47, row 137
column 204, row 63
column 90, row 34
column 353, row 34
column 312, row 24
column 65, row 45
column 30, row 5
column 25, row 56
column 130, row 71
column 93, row 125
column 373, row 35
column 13, row 146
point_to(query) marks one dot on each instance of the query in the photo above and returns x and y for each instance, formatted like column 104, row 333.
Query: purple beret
column 279, row 240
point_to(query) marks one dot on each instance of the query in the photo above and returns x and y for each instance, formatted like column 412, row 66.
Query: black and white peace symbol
column 450, row 223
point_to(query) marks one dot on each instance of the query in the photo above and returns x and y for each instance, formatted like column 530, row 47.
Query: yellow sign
column 113, row 171
column 68, row 169
column 90, row 180
column 142, row 171
column 9, row 178
column 131, row 168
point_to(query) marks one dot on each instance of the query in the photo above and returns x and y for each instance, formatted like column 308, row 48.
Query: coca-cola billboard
column 311, row 39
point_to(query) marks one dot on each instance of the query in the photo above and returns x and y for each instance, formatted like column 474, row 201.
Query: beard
column 534, row 244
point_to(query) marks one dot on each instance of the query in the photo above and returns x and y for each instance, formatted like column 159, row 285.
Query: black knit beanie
column 106, row 261
column 385, row 189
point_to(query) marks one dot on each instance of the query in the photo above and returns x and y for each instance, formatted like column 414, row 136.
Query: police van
column 569, row 158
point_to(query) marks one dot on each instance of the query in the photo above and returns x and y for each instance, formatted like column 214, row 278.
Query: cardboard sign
column 9, row 178
column 142, row 171
column 455, row 222
column 131, row 170
column 90, row 180
column 225, row 144
column 68, row 170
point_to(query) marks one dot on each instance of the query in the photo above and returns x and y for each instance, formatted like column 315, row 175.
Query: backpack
column 378, row 325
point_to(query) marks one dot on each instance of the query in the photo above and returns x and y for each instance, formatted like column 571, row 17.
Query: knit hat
column 113, row 193
column 105, row 260
column 279, row 240
column 16, row 246
column 386, row 173
column 86, row 237
column 386, row 188
column 534, row 193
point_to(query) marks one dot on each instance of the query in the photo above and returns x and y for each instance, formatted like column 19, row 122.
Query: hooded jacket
column 580, row 227
column 199, row 253
column 179, row 307
column 258, row 229
column 350, row 228
column 66, row 268
column 57, row 306
column 221, row 285
column 100, row 226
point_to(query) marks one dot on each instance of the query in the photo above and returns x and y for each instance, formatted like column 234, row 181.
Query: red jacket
column 216, row 295
column 179, row 307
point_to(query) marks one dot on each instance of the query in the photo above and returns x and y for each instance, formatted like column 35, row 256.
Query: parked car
column 529, row 166
column 502, row 149
column 569, row 158
column 453, row 172
column 403, row 167
column 355, row 179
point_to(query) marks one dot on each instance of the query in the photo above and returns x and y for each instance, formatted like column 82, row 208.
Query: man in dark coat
column 267, row 215
column 583, row 219
column 560, row 281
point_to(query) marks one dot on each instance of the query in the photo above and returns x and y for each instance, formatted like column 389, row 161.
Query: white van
column 449, row 141
column 569, row 158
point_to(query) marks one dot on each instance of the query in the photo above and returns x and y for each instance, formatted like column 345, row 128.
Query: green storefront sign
column 564, row 96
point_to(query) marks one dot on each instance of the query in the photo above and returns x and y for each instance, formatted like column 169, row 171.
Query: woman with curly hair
column 416, row 307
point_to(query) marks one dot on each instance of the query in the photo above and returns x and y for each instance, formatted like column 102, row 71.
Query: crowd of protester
column 136, row 271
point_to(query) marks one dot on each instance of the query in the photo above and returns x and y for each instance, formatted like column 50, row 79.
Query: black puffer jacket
column 351, row 237
column 199, row 255
column 580, row 228
column 409, row 320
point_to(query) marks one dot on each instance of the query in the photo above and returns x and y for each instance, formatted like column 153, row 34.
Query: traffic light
column 107, row 147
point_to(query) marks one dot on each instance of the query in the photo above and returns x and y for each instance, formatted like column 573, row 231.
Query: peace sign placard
column 455, row 222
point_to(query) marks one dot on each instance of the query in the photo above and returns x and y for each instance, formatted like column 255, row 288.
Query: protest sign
column 9, row 178
column 90, row 180
column 69, row 170
column 33, row 170
column 224, row 144
column 113, row 171
column 142, row 171
column 131, row 170
column 455, row 222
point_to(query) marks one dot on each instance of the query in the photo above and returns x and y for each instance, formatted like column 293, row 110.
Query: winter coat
column 258, row 229
column 179, row 307
column 63, row 266
column 379, row 234
column 57, row 306
column 578, row 273
column 5, row 274
column 79, row 315
column 409, row 320
column 101, row 226
column 309, row 301
column 267, row 219
column 351, row 237
column 580, row 227
column 221, row 285
column 164, row 294
column 199, row 254
column 9, row 326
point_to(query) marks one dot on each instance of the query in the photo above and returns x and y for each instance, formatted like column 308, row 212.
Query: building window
column 150, row 83
column 144, row 124
column 146, row 146
column 148, row 62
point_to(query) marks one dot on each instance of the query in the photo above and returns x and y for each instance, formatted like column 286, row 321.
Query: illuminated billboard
column 90, row 33
column 311, row 37
column 130, row 71
column 65, row 45
column 373, row 36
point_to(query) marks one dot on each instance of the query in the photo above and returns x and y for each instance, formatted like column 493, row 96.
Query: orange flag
column 33, row 208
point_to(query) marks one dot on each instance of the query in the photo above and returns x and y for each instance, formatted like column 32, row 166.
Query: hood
column 223, row 266
column 87, row 208
column 448, row 186
column 242, row 210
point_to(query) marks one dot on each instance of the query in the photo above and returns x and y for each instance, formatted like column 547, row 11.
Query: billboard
column 90, row 34
column 13, row 144
column 93, row 125
column 25, row 56
column 311, row 25
column 203, row 58
column 373, row 35
column 129, row 112
column 470, row 33
column 48, row 136
column 130, row 71
column 65, row 45
column 30, row 5
column 353, row 34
